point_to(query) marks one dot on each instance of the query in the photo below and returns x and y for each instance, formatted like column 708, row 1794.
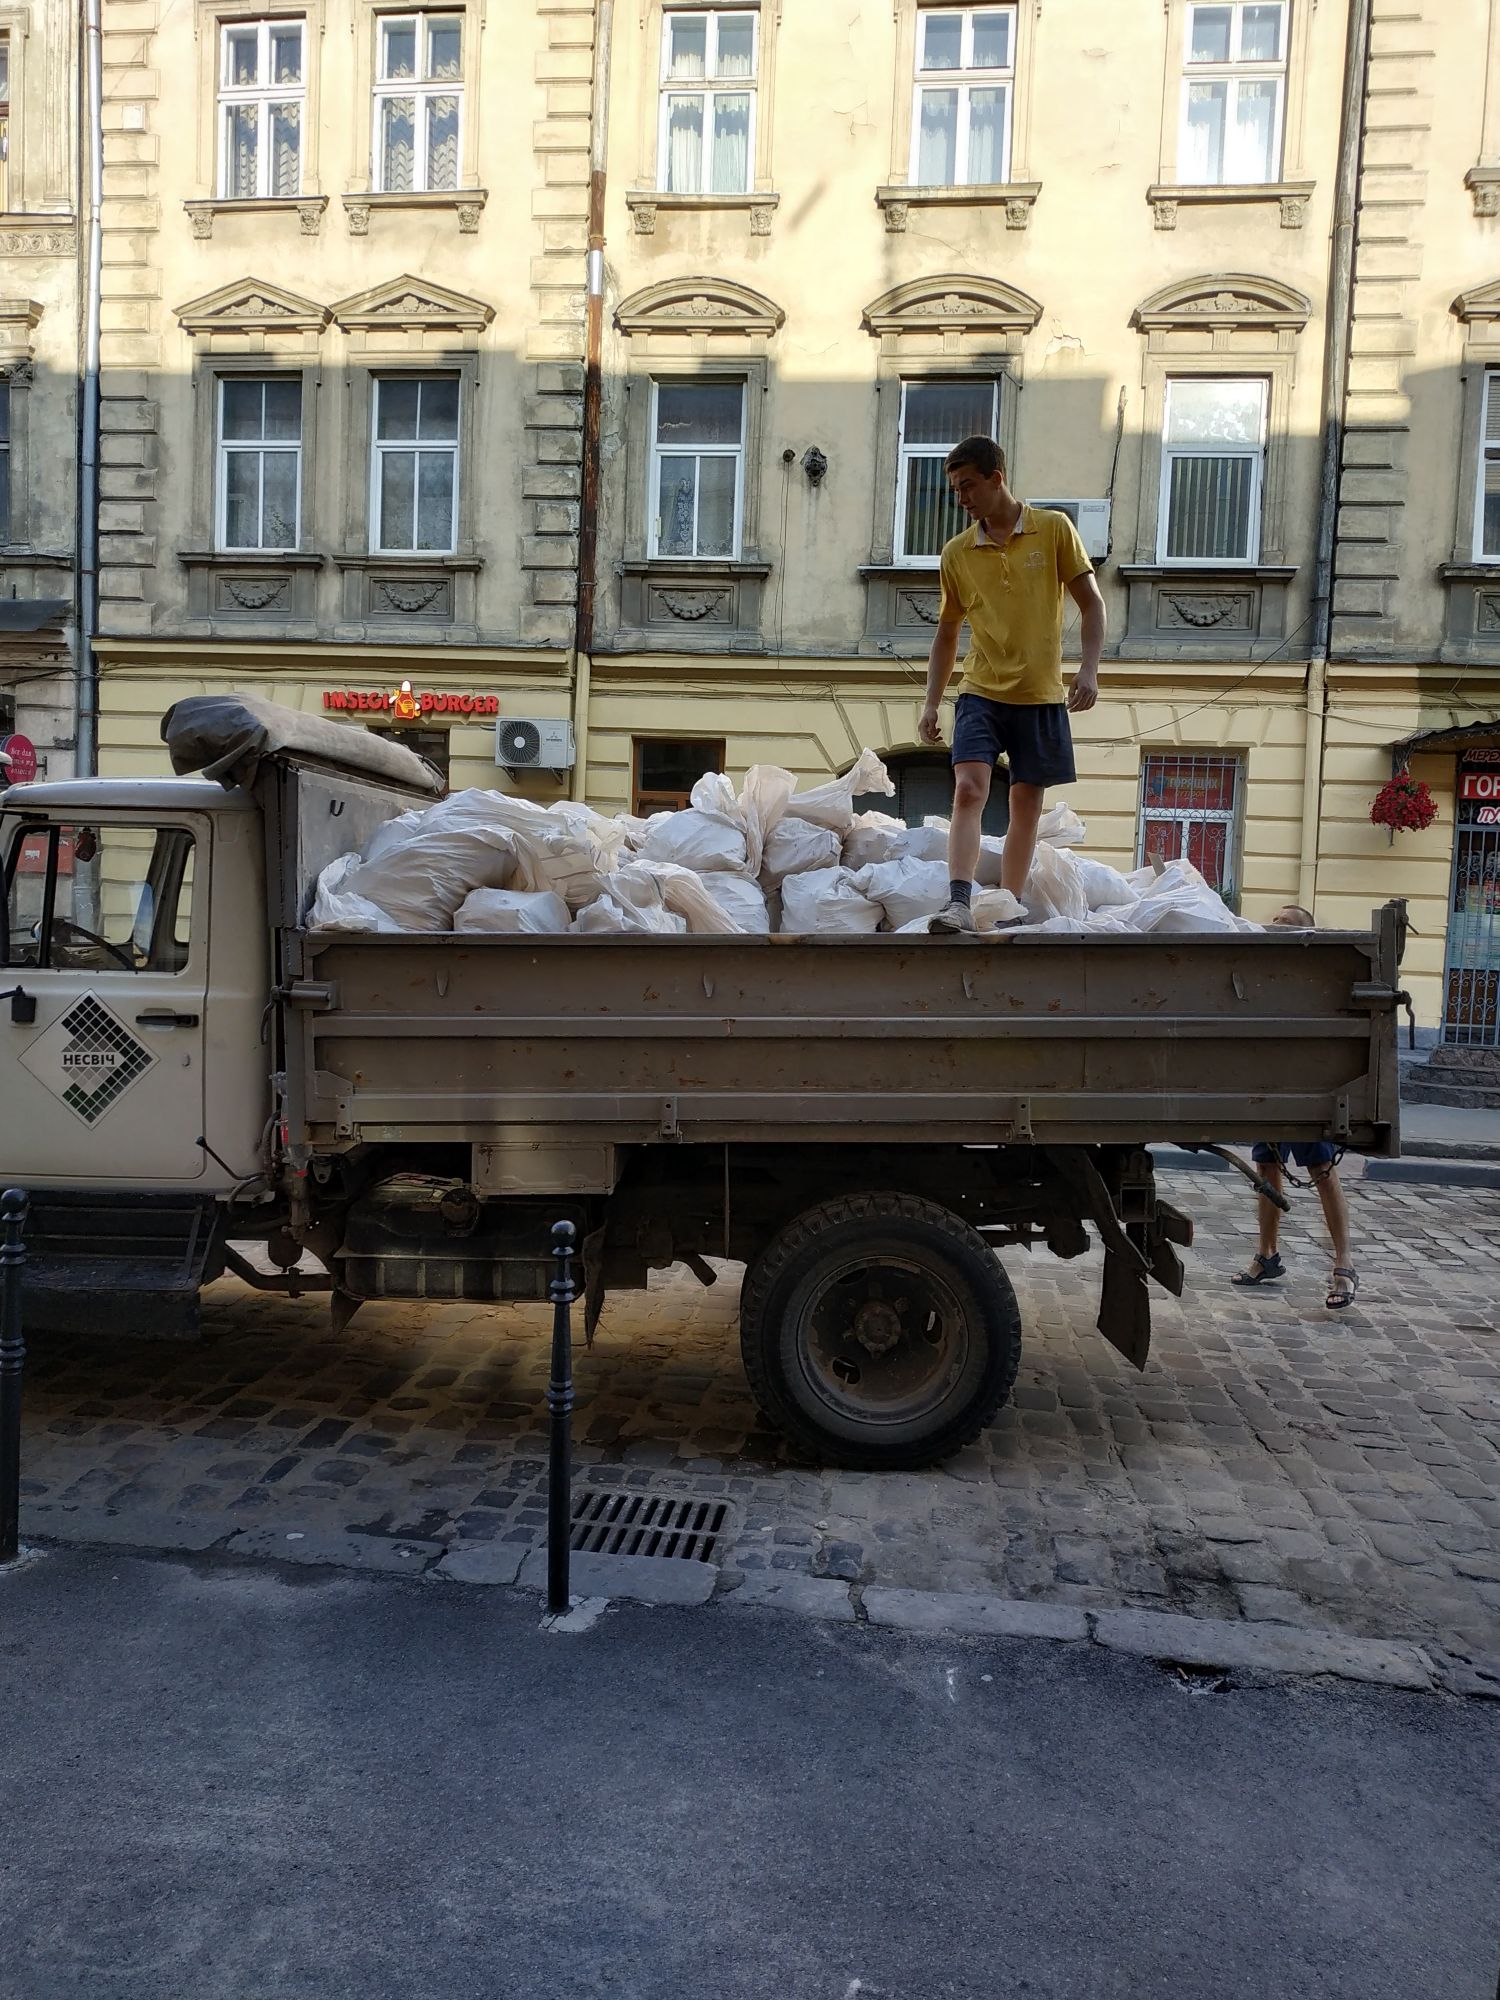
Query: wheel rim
column 880, row 1340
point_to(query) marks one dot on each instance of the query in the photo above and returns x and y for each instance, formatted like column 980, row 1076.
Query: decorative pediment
column 1227, row 300
column 698, row 305
column 957, row 302
column 413, row 302
column 251, row 306
column 1481, row 306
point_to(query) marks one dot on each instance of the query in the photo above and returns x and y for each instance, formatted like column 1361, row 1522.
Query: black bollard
column 13, row 1207
column 560, row 1404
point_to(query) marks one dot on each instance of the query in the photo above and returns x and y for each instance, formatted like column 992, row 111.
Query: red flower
column 1404, row 804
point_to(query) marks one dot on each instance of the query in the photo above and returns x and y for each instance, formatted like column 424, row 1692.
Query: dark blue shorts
column 1034, row 739
column 1307, row 1153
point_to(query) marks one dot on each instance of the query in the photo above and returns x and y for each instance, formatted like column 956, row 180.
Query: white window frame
column 233, row 97
column 421, row 90
column 906, row 453
column 7, row 47
column 8, row 509
column 657, row 453
column 1230, row 818
column 380, row 446
column 964, row 79
column 1488, row 454
column 225, row 448
column 1233, row 73
column 709, row 87
column 1170, row 453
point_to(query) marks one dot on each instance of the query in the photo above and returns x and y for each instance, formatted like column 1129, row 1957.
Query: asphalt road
column 234, row 1782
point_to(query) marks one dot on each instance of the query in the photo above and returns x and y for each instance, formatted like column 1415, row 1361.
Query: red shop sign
column 406, row 704
column 1479, row 785
column 21, row 769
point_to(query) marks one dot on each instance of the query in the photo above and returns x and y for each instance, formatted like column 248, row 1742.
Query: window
column 961, row 121
column 418, row 102
column 1487, row 501
column 696, row 497
column 1190, row 808
column 99, row 898
column 935, row 416
column 1233, row 94
column 260, row 462
column 261, row 97
column 414, row 475
column 436, row 745
column 1213, row 463
column 667, row 768
column 924, row 790
column 4, row 463
column 706, row 139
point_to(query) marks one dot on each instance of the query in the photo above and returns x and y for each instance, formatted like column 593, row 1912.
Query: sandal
column 1262, row 1270
column 1337, row 1300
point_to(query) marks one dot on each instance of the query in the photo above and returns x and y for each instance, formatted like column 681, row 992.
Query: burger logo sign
column 406, row 705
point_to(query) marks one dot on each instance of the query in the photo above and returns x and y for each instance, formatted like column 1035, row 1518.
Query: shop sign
column 21, row 770
column 1479, row 785
column 1487, row 816
column 406, row 705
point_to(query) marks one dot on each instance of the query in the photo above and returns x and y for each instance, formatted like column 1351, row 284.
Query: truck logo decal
column 88, row 1058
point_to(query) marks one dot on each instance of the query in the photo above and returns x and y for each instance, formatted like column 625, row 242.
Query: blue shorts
column 1034, row 738
column 1307, row 1153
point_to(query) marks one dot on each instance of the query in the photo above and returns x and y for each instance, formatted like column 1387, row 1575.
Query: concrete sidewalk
column 240, row 1782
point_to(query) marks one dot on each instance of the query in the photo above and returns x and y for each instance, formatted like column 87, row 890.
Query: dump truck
column 198, row 1084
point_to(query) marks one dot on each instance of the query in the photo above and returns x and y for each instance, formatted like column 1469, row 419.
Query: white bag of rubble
column 833, row 804
column 569, row 848
column 336, row 908
column 420, row 882
column 875, row 837
column 995, row 906
column 1060, row 826
column 929, row 841
column 609, row 915
column 761, row 806
column 706, row 836
column 825, row 899
column 1054, row 888
column 508, row 912
column 743, row 903
column 795, row 845
column 1105, row 887
column 655, row 885
column 905, row 889
column 991, row 855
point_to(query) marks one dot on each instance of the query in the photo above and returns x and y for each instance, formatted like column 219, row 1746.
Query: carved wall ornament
column 1164, row 211
column 693, row 604
column 310, row 216
column 359, row 216
column 964, row 300
column 202, row 220
column 255, row 593
column 924, row 603
column 645, row 219
column 37, row 243
column 1203, row 610
column 677, row 304
column 897, row 217
column 1483, row 184
column 1487, row 611
column 1018, row 214
column 20, row 373
column 469, row 213
column 1293, row 211
column 408, row 594
column 409, row 301
column 1228, row 297
column 251, row 302
column 760, row 219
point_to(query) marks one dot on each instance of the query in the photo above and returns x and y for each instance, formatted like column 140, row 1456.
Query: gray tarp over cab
column 229, row 737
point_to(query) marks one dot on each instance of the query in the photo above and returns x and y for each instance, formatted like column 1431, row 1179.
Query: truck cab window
column 98, row 898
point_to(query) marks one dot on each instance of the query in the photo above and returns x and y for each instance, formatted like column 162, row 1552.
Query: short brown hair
column 982, row 453
column 1292, row 917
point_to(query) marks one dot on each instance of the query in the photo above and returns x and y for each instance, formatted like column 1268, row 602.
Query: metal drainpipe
column 1335, row 395
column 86, row 720
column 593, row 397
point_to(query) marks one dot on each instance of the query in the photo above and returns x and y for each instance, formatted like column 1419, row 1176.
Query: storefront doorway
column 1471, row 1011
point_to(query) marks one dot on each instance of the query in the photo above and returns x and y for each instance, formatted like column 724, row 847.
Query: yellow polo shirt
column 1013, row 600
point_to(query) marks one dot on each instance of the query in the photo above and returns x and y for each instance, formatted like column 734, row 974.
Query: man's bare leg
column 1269, row 1218
column 1336, row 1216
column 971, row 791
column 1020, row 837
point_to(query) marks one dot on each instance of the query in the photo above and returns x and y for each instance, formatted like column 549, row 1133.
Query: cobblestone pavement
column 1275, row 1462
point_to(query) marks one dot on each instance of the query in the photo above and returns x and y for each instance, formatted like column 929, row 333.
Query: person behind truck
column 1319, row 1160
column 1006, row 574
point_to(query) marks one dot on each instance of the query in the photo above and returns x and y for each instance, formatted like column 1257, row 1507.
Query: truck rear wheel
column 879, row 1331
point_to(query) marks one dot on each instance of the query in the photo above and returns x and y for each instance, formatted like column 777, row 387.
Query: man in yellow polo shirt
column 1006, row 576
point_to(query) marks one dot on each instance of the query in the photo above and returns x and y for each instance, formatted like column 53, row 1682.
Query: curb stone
column 192, row 1533
column 937, row 1611
column 810, row 1596
column 363, row 1552
column 1272, row 1649
column 483, row 1562
column 643, row 1579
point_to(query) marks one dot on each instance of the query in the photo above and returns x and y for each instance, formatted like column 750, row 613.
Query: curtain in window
column 242, row 124
column 398, row 145
column 442, row 142
column 674, row 506
column 684, row 144
column 937, row 144
column 1209, row 509
column 730, row 167
column 1255, row 131
column 286, row 147
column 986, row 136
column 689, row 47
column 736, row 47
column 1202, row 162
column 933, row 515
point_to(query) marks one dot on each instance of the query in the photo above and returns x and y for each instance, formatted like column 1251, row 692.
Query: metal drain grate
column 644, row 1524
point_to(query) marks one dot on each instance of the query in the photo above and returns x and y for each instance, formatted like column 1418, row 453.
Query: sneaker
column 951, row 919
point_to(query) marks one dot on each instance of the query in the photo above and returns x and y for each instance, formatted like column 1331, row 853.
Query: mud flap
column 1124, row 1302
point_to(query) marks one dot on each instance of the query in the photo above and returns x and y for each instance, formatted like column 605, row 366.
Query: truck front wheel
column 879, row 1331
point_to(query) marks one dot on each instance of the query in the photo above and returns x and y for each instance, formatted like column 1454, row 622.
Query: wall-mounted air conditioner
column 1090, row 518
column 534, row 743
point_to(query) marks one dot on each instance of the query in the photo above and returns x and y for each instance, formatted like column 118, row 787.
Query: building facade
column 348, row 444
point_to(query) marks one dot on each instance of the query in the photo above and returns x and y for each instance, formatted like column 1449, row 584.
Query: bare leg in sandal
column 1341, row 1286
column 1269, row 1216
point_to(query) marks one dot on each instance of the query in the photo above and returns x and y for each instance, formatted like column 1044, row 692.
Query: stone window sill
column 466, row 203
column 681, row 601
column 704, row 566
column 308, row 208
column 1227, row 608
column 646, row 203
column 1472, row 619
column 243, row 558
column 1017, row 198
column 407, row 559
column 1217, row 572
column 1293, row 196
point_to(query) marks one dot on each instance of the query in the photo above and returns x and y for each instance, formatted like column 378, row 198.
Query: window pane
column 244, row 408
column 687, row 45
column 1491, row 530
column 940, row 413
column 1492, row 409
column 396, row 413
column 674, row 506
column 1189, row 784
column 937, row 142
column 992, row 41
column 283, row 408
column 730, row 166
column 933, row 516
column 438, row 408
column 1260, row 34
column 241, row 46
column 736, row 46
column 942, row 41
column 699, row 412
column 286, row 150
column 1216, row 412
column 1202, row 161
column 445, row 49
column 240, row 164
column 398, row 49
column 1208, row 39
column 684, row 162
column 986, row 136
column 716, row 483
column 5, row 494
column 667, row 765
column 397, row 144
column 286, row 55
column 434, row 499
column 4, row 413
column 398, row 472
column 442, row 142
column 242, row 499
column 279, row 501
column 1253, row 156
column 1209, row 510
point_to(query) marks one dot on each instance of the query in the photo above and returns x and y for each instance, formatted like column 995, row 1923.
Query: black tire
column 931, row 1296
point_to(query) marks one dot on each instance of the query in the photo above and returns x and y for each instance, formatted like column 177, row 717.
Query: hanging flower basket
column 1404, row 805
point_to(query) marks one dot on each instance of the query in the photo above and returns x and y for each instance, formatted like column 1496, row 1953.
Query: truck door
column 106, row 931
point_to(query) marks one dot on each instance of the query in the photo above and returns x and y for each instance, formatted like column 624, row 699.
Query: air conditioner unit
column 534, row 743
column 1089, row 517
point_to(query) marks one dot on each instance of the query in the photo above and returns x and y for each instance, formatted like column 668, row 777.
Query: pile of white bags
column 766, row 858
